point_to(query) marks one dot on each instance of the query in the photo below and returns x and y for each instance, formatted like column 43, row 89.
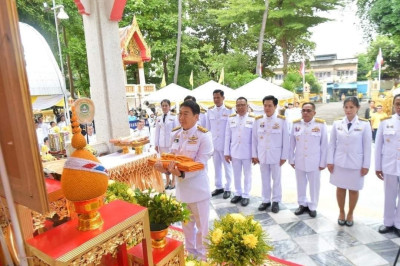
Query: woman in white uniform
column 349, row 157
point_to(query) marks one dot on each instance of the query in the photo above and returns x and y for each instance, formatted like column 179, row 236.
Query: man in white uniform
column 217, row 117
column 162, row 139
column 193, row 141
column 238, row 149
column 307, row 154
column 387, row 167
column 270, row 148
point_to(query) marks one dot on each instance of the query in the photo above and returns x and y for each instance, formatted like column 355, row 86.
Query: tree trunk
column 261, row 39
column 178, row 42
column 285, row 57
column 165, row 69
column 70, row 78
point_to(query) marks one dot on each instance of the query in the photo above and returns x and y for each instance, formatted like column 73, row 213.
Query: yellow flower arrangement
column 119, row 190
column 237, row 240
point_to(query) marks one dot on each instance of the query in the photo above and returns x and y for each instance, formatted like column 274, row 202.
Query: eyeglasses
column 306, row 110
column 241, row 105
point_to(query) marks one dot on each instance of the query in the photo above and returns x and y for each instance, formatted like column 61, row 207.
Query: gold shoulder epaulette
column 211, row 107
column 363, row 119
column 258, row 117
column 228, row 107
column 282, row 117
column 319, row 120
column 381, row 118
column 176, row 128
column 202, row 110
column 252, row 115
column 296, row 120
column 172, row 113
column 339, row 118
column 202, row 129
column 232, row 115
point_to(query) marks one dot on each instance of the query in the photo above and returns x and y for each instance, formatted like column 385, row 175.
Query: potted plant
column 237, row 240
column 119, row 190
column 163, row 210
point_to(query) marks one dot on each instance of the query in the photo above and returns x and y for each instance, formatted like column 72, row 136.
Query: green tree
column 293, row 81
column 390, row 53
column 364, row 67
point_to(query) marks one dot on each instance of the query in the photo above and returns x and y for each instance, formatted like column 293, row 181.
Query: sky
column 342, row 36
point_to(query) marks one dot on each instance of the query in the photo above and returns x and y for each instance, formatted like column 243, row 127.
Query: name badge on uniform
column 389, row 126
column 315, row 129
column 339, row 128
column 276, row 126
column 225, row 115
column 358, row 129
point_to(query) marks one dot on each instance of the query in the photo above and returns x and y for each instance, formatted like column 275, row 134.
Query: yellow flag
column 221, row 77
column 191, row 79
column 79, row 95
column 368, row 74
column 163, row 83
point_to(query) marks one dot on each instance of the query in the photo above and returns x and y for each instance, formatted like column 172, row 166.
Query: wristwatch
column 182, row 174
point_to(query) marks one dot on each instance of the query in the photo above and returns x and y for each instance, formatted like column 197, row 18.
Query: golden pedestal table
column 66, row 245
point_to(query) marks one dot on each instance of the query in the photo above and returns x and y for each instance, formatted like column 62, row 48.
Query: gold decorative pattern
column 59, row 207
column 138, row 174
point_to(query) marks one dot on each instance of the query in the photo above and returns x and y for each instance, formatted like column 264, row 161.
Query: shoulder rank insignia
column 319, row 120
column 202, row 111
column 381, row 118
column 363, row 119
column 339, row 118
column 174, row 114
column 252, row 115
column 202, row 129
column 282, row 117
column 176, row 128
column 258, row 117
column 228, row 107
column 232, row 115
column 211, row 107
column 296, row 120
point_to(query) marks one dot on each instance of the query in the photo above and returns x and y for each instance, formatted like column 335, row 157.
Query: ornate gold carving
column 133, row 234
column 58, row 207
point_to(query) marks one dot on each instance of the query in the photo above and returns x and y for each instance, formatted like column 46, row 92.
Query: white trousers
column 313, row 179
column 391, row 213
column 238, row 165
column 196, row 229
column 268, row 172
column 219, row 160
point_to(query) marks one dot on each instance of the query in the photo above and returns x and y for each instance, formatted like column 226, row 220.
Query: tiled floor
column 317, row 241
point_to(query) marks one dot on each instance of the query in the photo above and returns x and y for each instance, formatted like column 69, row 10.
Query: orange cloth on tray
column 184, row 163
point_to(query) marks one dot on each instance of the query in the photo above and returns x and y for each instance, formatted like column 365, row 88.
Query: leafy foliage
column 163, row 209
column 237, row 240
column 119, row 190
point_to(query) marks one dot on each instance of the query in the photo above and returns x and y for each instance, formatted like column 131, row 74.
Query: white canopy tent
column 257, row 89
column 46, row 83
column 204, row 93
column 172, row 92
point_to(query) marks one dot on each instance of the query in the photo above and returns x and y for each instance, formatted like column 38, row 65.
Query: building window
column 351, row 72
column 328, row 74
column 279, row 77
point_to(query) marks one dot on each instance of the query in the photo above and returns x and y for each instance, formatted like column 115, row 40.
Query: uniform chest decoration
column 248, row 122
column 225, row 115
column 297, row 129
column 340, row 128
column 233, row 122
column 315, row 129
column 358, row 129
column 171, row 119
column 176, row 140
column 276, row 126
column 389, row 126
column 262, row 124
column 193, row 140
column 158, row 121
column 387, row 140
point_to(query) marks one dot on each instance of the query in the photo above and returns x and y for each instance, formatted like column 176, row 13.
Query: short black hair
column 290, row 104
column 221, row 92
column 192, row 105
column 395, row 97
column 310, row 103
column 45, row 139
column 371, row 101
column 165, row 101
column 352, row 99
column 190, row 98
column 270, row 98
column 241, row 98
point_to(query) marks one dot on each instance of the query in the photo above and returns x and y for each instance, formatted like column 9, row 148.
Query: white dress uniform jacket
column 217, row 117
column 308, row 145
column 163, row 130
column 350, row 148
column 203, row 118
column 195, row 143
column 238, row 136
column 270, row 142
column 387, row 160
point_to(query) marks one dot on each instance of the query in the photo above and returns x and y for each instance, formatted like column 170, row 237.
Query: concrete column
column 107, row 81
column 142, row 81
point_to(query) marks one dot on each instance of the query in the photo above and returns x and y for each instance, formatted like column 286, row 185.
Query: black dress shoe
column 397, row 231
column 313, row 214
column 301, row 209
column 341, row 222
column 166, row 187
column 245, row 202
column 217, row 192
column 349, row 223
column 227, row 194
column 385, row 229
column 236, row 199
column 264, row 206
column 275, row 207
